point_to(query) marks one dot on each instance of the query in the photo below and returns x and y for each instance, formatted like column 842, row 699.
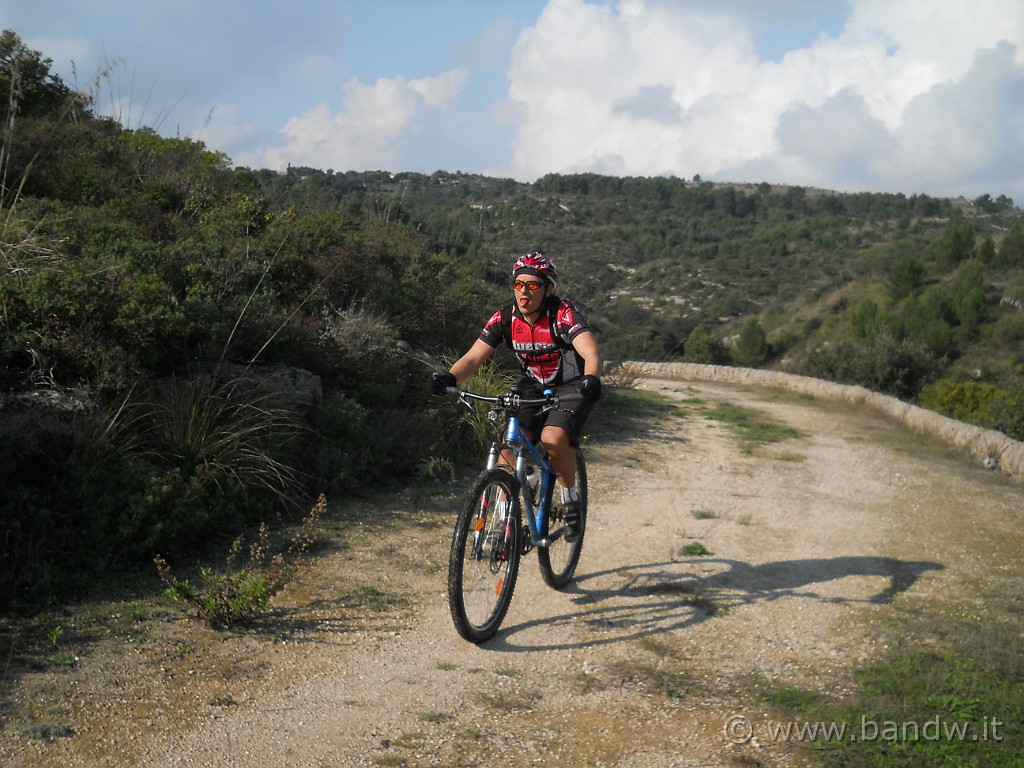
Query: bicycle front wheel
column 559, row 559
column 484, row 560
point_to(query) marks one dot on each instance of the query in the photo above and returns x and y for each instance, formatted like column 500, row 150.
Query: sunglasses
column 523, row 285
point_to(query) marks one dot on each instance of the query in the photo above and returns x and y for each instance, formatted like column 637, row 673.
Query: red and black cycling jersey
column 544, row 350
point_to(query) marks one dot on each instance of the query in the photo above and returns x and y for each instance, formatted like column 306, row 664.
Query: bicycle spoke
column 484, row 558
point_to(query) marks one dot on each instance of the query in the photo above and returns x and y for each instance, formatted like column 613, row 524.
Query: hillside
column 139, row 271
column 651, row 258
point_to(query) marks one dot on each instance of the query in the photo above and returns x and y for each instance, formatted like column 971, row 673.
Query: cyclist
column 557, row 350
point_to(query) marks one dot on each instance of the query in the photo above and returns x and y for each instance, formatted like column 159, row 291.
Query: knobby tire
column 559, row 559
column 485, row 553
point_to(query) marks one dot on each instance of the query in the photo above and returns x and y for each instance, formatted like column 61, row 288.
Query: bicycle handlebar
column 514, row 400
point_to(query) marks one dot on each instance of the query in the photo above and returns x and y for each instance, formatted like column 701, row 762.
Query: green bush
column 970, row 401
column 702, row 346
column 752, row 347
column 466, row 435
column 223, row 599
column 342, row 428
column 906, row 276
column 983, row 403
column 895, row 367
column 195, row 460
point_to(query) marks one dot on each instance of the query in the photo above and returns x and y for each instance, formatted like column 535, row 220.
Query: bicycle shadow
column 660, row 597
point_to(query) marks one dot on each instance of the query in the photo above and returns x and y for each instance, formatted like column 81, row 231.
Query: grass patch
column 390, row 760
column 752, row 427
column 433, row 717
column 50, row 732
column 377, row 600
column 695, row 549
column 646, row 460
column 502, row 700
column 241, row 592
column 791, row 698
column 956, row 699
column 584, row 682
column 704, row 514
column 66, row 660
column 671, row 588
column 795, row 458
column 659, row 648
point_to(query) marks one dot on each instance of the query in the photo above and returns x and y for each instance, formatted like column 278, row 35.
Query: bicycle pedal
column 527, row 540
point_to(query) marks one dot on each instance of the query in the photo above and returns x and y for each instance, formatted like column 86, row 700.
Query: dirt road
column 649, row 659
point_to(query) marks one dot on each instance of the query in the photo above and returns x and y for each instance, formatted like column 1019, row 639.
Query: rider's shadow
column 770, row 581
column 661, row 597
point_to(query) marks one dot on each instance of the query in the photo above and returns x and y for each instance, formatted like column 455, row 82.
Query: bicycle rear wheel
column 559, row 559
column 484, row 560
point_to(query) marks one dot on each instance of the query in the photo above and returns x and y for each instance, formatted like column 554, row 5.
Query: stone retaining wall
column 991, row 448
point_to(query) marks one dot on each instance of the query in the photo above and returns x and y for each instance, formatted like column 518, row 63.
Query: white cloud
column 912, row 96
column 373, row 130
column 915, row 96
column 584, row 77
column 969, row 131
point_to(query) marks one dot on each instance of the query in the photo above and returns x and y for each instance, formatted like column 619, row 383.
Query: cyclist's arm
column 586, row 345
column 470, row 362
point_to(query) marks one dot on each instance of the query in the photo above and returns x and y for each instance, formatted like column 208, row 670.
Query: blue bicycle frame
column 516, row 439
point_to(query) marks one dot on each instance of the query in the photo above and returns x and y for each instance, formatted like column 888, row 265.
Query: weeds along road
column 740, row 540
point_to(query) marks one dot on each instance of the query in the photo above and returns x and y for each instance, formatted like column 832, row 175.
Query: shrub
column 193, row 460
column 906, row 275
column 341, row 426
column 225, row 599
column 704, row 347
column 752, row 346
column 466, row 434
column 865, row 320
column 970, row 401
column 992, row 405
column 228, row 434
column 895, row 367
column 1008, row 411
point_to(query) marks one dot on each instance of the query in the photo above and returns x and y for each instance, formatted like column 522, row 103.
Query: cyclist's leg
column 558, row 442
column 561, row 433
column 508, row 459
column 531, row 420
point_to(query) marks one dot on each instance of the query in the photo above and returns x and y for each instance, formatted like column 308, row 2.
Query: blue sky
column 915, row 96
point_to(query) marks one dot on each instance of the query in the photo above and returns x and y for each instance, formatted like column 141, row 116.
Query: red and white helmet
column 536, row 264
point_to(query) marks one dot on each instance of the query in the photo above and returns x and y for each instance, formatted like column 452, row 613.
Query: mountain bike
column 492, row 533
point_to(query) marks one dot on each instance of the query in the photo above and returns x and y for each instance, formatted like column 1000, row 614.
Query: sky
column 907, row 96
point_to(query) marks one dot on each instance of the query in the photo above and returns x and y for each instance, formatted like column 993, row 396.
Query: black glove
column 589, row 386
column 439, row 382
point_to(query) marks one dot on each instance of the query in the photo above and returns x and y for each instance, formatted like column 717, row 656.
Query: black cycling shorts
column 570, row 416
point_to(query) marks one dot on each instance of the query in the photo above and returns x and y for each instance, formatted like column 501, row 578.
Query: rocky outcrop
column 40, row 422
column 992, row 449
column 291, row 389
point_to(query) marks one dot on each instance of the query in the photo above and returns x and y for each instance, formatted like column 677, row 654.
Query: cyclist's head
column 538, row 265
